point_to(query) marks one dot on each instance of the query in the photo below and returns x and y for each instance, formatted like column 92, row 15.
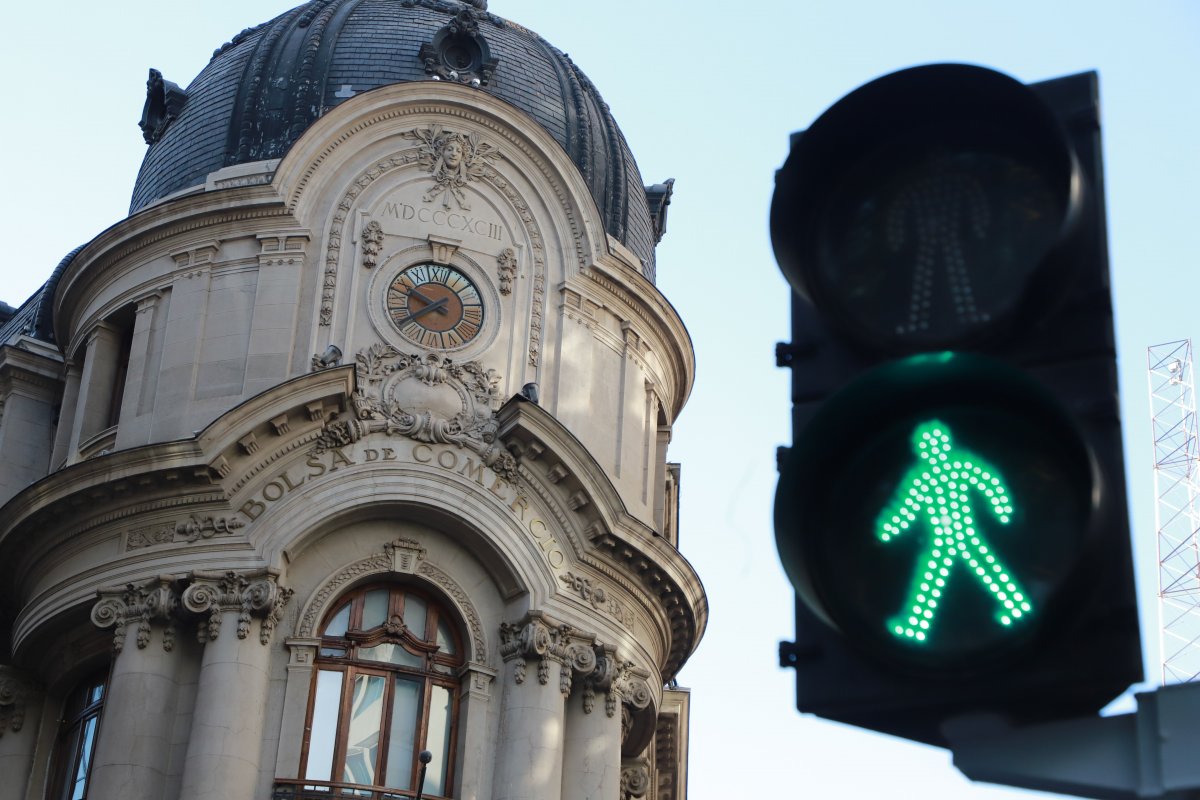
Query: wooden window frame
column 351, row 667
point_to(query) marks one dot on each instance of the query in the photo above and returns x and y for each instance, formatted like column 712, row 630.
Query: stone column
column 68, row 411
column 529, row 752
column 134, row 741
column 96, row 383
column 21, row 703
column 225, row 748
column 592, row 744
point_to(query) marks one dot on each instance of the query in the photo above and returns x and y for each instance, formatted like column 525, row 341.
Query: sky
column 706, row 93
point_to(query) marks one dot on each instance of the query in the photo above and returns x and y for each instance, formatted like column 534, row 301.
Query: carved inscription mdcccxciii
column 458, row 221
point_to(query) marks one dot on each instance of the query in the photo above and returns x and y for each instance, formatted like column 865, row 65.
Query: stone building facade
column 342, row 460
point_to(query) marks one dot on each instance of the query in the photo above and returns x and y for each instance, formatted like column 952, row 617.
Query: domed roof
column 263, row 89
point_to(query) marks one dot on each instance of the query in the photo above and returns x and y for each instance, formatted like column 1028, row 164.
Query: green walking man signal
column 937, row 494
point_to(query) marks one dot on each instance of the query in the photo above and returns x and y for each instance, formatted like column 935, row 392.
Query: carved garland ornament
column 191, row 530
column 381, row 404
column 14, row 690
column 598, row 596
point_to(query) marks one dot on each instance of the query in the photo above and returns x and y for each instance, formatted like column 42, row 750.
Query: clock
column 435, row 306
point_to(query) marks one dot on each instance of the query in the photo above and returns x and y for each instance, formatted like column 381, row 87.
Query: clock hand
column 429, row 303
column 436, row 305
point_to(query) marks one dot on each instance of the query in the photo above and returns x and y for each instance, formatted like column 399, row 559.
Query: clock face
column 435, row 306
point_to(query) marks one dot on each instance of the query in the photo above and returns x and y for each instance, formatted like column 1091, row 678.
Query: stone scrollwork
column 250, row 594
column 594, row 592
column 452, row 160
column 155, row 600
column 635, row 779
column 14, row 690
column 190, row 530
column 425, row 398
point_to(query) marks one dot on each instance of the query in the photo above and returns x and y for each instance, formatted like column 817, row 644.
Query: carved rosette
column 382, row 404
column 138, row 604
column 14, row 691
column 248, row 594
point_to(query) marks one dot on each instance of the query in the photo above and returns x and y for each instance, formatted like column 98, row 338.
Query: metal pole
column 425, row 757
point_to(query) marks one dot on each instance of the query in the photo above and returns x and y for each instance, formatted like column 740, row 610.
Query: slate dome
column 262, row 90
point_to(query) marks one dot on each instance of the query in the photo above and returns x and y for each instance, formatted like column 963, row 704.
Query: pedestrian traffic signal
column 952, row 509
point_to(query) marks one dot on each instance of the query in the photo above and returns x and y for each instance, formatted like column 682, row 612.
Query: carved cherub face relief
column 452, row 153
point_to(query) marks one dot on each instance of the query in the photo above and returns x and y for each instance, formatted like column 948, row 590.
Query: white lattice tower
column 1177, row 491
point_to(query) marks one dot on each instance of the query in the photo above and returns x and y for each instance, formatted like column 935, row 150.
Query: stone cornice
column 40, row 370
column 180, row 472
column 158, row 228
column 622, row 547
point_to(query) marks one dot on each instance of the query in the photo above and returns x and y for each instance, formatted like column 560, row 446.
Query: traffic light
column 952, row 510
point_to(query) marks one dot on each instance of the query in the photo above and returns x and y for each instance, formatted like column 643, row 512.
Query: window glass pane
column 86, row 745
column 406, row 702
column 414, row 615
column 391, row 654
column 337, row 625
column 375, row 608
column 324, row 726
column 334, row 652
column 445, row 639
column 96, row 694
column 362, row 732
column 438, row 741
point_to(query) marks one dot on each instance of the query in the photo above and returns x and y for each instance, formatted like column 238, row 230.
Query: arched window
column 385, row 689
column 77, row 740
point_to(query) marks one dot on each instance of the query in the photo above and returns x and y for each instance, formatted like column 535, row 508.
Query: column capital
column 539, row 637
column 251, row 593
column 154, row 600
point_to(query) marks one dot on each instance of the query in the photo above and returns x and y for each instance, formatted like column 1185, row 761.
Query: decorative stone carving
column 595, row 593
column 405, row 553
column 539, row 638
column 372, row 243
column 506, row 269
column 251, row 594
column 191, row 530
column 381, row 564
column 635, row 779
column 453, row 160
column 14, row 691
column 141, row 603
column 426, row 398
column 164, row 101
column 458, row 52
